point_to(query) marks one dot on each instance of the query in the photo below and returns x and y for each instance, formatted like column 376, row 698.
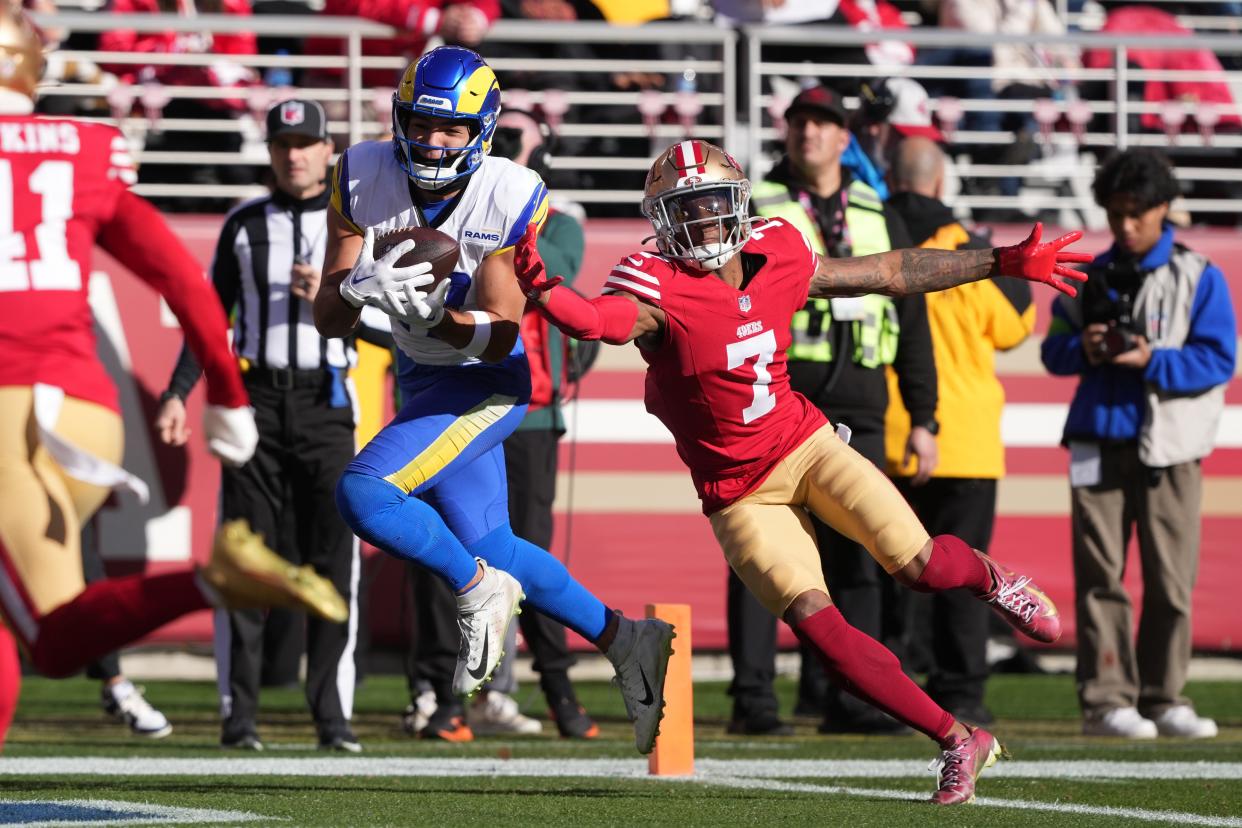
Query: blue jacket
column 1110, row 401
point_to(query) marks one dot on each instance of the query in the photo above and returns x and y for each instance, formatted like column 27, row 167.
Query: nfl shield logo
column 292, row 113
column 743, row 303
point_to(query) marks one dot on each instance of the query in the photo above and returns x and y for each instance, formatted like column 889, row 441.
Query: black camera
column 1117, row 340
column 1108, row 298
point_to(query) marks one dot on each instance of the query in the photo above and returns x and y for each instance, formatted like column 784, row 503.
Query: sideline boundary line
column 761, row 775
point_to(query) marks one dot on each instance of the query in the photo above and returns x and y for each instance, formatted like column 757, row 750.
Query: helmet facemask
column 454, row 163
column 702, row 225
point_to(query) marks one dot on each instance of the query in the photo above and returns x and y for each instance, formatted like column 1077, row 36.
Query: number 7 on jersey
column 763, row 347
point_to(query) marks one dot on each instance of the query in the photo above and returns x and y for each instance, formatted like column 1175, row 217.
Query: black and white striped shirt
column 251, row 271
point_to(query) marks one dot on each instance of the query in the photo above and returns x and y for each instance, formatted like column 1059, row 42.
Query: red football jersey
column 64, row 185
column 718, row 381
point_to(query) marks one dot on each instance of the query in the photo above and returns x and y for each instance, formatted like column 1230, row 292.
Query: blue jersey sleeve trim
column 534, row 207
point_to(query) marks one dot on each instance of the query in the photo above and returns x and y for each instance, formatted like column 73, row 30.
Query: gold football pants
column 767, row 536
column 42, row 509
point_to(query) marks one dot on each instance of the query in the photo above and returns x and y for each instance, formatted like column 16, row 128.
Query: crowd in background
column 1042, row 99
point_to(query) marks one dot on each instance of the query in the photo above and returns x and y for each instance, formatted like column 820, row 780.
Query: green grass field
column 61, row 749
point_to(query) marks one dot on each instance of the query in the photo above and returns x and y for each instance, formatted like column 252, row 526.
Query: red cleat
column 960, row 765
column 1022, row 604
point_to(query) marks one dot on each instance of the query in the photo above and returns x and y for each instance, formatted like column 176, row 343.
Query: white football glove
column 422, row 308
column 371, row 282
column 231, row 433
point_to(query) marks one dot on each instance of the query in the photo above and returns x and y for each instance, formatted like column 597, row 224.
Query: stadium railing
column 1069, row 158
column 702, row 64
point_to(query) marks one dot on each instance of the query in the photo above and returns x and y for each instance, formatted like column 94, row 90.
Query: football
column 430, row 245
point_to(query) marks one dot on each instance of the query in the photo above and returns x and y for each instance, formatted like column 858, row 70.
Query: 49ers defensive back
column 63, row 188
column 710, row 313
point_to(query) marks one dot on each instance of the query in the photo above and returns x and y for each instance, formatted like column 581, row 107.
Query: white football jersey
column 369, row 189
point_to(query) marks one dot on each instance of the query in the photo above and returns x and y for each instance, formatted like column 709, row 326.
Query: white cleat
column 1123, row 722
column 1182, row 722
column 483, row 616
column 418, row 713
column 495, row 713
column 125, row 703
column 640, row 654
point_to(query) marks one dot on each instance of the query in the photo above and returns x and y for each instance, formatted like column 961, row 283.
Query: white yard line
column 1143, row 814
column 767, row 775
column 628, row 768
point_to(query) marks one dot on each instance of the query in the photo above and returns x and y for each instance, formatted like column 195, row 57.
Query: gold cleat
column 249, row 575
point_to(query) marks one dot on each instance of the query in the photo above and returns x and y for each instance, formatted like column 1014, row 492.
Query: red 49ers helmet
column 697, row 200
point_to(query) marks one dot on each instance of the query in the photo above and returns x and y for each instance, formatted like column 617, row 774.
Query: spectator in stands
column 1022, row 69
column 864, row 15
column 1152, row 337
column 1201, row 104
column 217, row 71
column 969, row 323
column 456, row 22
column 1148, row 21
column 837, row 360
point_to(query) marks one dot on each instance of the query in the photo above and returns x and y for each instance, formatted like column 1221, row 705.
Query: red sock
column 953, row 564
column 866, row 668
column 109, row 614
column 10, row 681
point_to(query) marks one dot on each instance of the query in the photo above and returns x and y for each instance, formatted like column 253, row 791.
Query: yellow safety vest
column 875, row 334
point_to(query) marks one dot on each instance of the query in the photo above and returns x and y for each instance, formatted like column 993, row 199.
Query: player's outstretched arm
column 901, row 272
column 334, row 316
column 615, row 319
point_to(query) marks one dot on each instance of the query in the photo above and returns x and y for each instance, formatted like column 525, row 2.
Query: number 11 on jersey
column 763, row 347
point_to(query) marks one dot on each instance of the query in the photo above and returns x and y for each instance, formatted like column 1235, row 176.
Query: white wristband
column 482, row 334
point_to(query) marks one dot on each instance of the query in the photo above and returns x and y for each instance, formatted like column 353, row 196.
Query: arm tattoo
column 901, row 272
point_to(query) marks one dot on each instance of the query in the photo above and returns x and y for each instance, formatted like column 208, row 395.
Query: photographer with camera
column 1152, row 337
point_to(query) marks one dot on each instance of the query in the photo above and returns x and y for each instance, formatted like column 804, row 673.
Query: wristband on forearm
column 481, row 336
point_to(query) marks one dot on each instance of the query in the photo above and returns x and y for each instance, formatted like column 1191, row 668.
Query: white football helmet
column 697, row 199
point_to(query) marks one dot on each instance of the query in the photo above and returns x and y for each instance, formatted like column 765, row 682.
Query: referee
column 266, row 270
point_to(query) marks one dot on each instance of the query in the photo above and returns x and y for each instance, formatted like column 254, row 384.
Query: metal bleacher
column 720, row 86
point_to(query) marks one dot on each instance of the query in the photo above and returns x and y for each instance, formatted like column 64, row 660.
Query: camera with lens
column 1108, row 298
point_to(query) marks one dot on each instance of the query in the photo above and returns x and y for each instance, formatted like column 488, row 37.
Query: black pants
column 108, row 666
column 286, row 491
column 949, row 630
column 530, row 463
column 858, row 587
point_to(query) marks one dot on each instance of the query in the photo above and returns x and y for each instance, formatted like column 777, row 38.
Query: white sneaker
column 494, row 713
column 1182, row 722
column 484, row 615
column 1120, row 721
column 415, row 716
column 125, row 703
column 640, row 654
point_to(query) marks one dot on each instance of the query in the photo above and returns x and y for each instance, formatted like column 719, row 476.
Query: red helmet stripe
column 689, row 159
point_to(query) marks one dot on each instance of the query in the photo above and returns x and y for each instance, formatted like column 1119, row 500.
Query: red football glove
column 1043, row 262
column 528, row 265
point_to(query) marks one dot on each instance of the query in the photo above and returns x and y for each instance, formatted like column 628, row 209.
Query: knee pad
column 364, row 500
